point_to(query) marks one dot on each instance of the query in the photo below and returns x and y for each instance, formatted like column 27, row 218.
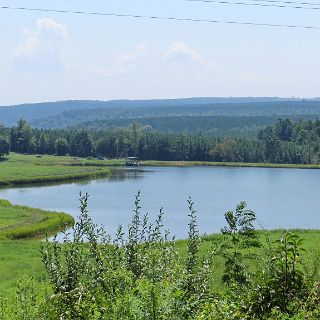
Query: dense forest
column 155, row 109
column 218, row 126
column 63, row 114
column 285, row 142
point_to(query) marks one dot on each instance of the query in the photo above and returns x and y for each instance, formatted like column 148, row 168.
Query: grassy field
column 21, row 229
column 21, row 258
column 21, row 222
column 27, row 169
column 227, row 164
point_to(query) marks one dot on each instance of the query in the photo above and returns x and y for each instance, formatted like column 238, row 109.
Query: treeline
column 285, row 142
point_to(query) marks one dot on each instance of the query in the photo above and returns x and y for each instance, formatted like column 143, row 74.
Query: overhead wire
column 255, row 4
column 288, row 2
column 155, row 17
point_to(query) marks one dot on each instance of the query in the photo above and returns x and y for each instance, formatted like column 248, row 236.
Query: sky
column 51, row 56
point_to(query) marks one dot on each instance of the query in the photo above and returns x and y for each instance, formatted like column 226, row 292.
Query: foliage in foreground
column 140, row 275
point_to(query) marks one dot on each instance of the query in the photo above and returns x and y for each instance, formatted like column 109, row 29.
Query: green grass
column 21, row 229
column 27, row 169
column 311, row 245
column 21, row 222
column 227, row 164
column 22, row 258
column 18, row 259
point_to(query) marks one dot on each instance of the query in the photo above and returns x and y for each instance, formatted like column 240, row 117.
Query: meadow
column 21, row 231
column 27, row 169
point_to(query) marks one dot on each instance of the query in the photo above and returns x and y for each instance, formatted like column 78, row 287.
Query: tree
column 81, row 144
column 4, row 146
column 22, row 137
column 284, row 129
column 135, row 137
column 62, row 147
column 43, row 143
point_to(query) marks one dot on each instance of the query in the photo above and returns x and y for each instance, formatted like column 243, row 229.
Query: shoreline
column 156, row 163
column 52, row 179
column 28, row 223
column 19, row 169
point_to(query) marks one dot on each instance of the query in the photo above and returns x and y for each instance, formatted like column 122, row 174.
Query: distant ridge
column 73, row 112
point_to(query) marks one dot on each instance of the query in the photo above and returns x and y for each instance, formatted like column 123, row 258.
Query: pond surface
column 281, row 198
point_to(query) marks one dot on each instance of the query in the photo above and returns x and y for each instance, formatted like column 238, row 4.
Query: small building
column 132, row 161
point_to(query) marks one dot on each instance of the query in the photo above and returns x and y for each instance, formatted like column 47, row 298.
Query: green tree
column 62, row 147
column 135, row 137
column 81, row 144
column 43, row 143
column 4, row 146
column 22, row 137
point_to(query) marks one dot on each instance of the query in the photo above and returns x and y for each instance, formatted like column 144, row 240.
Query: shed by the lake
column 132, row 161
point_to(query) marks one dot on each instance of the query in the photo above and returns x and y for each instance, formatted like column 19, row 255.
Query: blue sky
column 51, row 56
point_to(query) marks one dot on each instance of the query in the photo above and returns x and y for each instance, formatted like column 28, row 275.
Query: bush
column 140, row 275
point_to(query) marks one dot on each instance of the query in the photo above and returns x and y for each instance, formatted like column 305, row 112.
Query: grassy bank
column 27, row 169
column 21, row 228
column 227, row 164
column 21, row 222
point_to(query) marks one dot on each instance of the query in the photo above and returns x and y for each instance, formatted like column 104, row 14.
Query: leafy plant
column 239, row 233
column 284, row 286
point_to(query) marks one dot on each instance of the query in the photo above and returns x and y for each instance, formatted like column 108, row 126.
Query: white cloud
column 42, row 49
column 180, row 52
column 126, row 63
column 52, row 26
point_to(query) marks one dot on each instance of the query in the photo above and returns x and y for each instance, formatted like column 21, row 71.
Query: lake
column 281, row 198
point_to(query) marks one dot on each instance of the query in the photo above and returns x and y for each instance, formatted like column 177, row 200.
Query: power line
column 256, row 4
column 288, row 2
column 291, row 26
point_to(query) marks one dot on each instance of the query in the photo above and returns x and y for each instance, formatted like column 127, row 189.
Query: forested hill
column 221, row 126
column 71, row 113
column 9, row 115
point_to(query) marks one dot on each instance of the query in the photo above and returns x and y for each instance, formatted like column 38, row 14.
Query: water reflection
column 117, row 175
column 121, row 174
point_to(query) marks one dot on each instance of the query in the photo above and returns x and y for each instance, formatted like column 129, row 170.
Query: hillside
column 73, row 113
column 228, row 126
column 9, row 115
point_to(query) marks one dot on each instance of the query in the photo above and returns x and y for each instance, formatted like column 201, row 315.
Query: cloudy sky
column 51, row 56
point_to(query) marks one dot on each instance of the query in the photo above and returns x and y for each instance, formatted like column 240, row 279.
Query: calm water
column 282, row 198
